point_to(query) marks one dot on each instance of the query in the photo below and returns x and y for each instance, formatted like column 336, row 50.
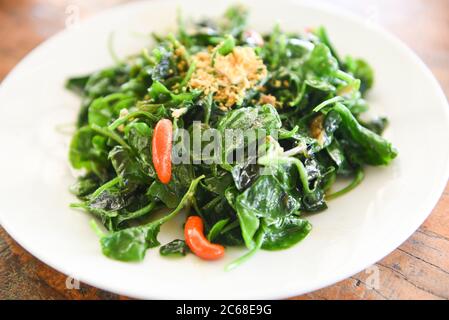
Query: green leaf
column 369, row 147
column 159, row 93
column 321, row 63
column 99, row 112
column 264, row 199
column 313, row 197
column 84, row 154
column 322, row 35
column 163, row 193
column 285, row 233
column 85, row 185
column 170, row 194
column 127, row 167
column 77, row 84
column 175, row 248
column 139, row 136
column 360, row 69
column 131, row 244
column 337, row 154
column 267, row 199
column 217, row 228
column 242, row 127
column 260, row 117
column 104, row 109
column 226, row 46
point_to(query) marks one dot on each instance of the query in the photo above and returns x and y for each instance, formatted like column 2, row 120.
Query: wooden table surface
column 418, row 269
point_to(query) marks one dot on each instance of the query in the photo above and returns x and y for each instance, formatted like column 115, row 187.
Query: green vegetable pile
column 316, row 97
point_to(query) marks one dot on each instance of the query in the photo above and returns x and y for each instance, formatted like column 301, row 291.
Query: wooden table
column 418, row 269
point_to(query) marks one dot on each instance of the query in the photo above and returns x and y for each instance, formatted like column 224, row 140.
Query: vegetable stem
column 355, row 182
column 138, row 213
column 248, row 255
column 208, row 108
column 110, row 134
column 104, row 187
column 327, row 102
column 271, row 160
column 230, row 226
column 185, row 199
column 96, row 228
column 130, row 115
column 188, row 75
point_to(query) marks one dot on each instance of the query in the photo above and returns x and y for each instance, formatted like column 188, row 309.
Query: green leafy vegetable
column 286, row 233
column 283, row 108
column 217, row 228
column 131, row 244
column 367, row 146
column 174, row 248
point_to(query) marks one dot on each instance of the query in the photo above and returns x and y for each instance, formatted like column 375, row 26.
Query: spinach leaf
column 218, row 184
column 369, row 147
column 313, row 196
column 259, row 117
column 240, row 128
column 217, row 228
column 89, row 151
column 85, row 185
column 77, row 84
column 160, row 93
column 127, row 167
column 244, row 174
column 104, row 109
column 324, row 38
column 174, row 248
column 376, row 125
column 170, row 194
column 321, row 63
column 290, row 136
column 139, row 136
column 105, row 202
column 131, row 244
column 264, row 199
column 125, row 215
column 337, row 154
column 226, row 46
column 360, row 69
column 163, row 193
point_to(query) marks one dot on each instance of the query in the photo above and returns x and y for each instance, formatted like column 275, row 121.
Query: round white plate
column 356, row 231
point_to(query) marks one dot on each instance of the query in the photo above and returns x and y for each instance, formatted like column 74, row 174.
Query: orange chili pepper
column 161, row 149
column 198, row 243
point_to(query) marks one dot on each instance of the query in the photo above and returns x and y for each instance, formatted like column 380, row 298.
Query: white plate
column 356, row 231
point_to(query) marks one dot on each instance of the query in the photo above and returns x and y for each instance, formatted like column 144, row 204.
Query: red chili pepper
column 198, row 243
column 161, row 149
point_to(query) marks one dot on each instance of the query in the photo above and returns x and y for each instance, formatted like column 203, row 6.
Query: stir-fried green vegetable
column 293, row 88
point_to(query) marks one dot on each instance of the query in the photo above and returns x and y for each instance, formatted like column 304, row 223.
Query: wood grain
column 418, row 269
